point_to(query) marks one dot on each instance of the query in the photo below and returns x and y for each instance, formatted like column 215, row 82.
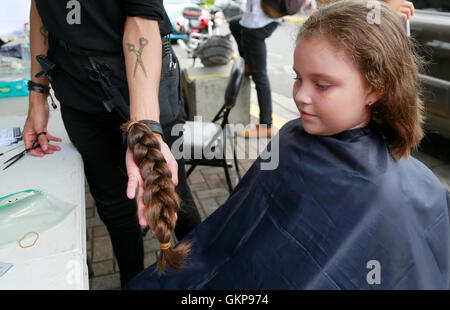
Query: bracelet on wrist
column 37, row 87
column 154, row 126
column 43, row 89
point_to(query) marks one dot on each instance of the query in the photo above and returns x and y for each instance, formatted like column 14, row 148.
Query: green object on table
column 13, row 87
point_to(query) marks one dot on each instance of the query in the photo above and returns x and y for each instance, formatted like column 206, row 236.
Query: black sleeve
column 150, row 9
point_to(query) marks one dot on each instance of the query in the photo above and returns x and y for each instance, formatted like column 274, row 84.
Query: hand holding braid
column 160, row 199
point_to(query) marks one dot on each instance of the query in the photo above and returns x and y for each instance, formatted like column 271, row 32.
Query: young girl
column 347, row 207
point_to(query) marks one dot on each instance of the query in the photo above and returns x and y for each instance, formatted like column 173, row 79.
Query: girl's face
column 329, row 89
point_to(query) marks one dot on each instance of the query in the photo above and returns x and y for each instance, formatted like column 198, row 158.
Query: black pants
column 98, row 138
column 252, row 47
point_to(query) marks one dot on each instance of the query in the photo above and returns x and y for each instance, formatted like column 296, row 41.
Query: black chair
column 207, row 141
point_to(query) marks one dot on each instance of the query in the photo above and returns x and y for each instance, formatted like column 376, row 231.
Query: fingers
column 29, row 136
column 52, row 138
column 141, row 216
column 410, row 5
column 405, row 13
column 45, row 147
column 170, row 160
column 133, row 184
column 174, row 169
column 39, row 152
column 141, row 206
column 43, row 141
column 131, row 187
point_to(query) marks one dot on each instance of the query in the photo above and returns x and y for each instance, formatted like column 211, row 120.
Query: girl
column 347, row 207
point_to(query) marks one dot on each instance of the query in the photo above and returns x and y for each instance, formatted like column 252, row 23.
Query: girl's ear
column 372, row 96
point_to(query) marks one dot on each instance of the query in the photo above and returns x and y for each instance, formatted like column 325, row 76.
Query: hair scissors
column 15, row 158
column 101, row 73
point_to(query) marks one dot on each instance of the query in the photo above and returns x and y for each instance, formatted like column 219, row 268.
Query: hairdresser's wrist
column 37, row 99
column 154, row 126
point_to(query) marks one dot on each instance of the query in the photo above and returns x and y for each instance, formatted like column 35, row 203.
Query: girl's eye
column 298, row 79
column 322, row 86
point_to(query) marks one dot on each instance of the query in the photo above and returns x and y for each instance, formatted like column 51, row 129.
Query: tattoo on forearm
column 44, row 33
column 131, row 48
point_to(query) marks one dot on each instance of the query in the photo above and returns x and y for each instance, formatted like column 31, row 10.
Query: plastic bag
column 29, row 211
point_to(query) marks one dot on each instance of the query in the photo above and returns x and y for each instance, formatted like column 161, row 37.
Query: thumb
column 43, row 141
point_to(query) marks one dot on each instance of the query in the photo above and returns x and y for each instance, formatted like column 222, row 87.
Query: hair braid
column 160, row 199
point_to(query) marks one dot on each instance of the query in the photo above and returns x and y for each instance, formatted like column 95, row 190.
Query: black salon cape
column 337, row 213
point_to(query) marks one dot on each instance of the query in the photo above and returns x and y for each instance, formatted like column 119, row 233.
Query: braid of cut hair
column 160, row 198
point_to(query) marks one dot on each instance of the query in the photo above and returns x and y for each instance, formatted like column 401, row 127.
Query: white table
column 58, row 259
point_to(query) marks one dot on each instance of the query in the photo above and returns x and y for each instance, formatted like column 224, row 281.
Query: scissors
column 15, row 158
column 101, row 73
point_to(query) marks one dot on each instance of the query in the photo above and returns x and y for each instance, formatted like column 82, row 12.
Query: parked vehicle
column 211, row 40
column 430, row 26
column 178, row 12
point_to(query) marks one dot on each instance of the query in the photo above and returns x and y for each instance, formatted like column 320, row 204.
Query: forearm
column 143, row 56
column 38, row 46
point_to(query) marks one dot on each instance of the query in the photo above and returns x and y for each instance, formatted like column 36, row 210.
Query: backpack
column 280, row 8
column 215, row 51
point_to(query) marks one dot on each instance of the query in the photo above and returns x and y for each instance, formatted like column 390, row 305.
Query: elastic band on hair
column 164, row 246
column 131, row 124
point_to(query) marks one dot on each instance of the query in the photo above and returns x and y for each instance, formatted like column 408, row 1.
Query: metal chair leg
column 235, row 157
column 227, row 175
column 225, row 165
column 188, row 173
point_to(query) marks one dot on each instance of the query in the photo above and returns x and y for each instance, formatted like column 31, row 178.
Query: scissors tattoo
column 131, row 48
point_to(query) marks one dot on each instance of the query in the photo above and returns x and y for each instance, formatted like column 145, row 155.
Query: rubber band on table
column 34, row 242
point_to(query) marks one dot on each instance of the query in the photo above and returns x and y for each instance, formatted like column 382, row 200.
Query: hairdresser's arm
column 143, row 56
column 38, row 110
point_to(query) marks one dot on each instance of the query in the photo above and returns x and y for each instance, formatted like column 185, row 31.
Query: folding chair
column 207, row 141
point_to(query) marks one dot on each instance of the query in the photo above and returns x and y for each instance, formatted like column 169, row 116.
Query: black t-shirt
column 98, row 24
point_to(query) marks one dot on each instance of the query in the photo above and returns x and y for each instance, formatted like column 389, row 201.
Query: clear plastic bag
column 29, row 211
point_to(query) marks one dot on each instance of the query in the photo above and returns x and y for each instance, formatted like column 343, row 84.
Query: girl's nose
column 301, row 95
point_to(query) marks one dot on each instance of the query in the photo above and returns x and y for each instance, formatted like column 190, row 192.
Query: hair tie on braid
column 160, row 198
column 164, row 246
column 130, row 124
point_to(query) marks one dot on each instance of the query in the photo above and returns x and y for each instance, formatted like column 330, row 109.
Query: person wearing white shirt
column 250, row 33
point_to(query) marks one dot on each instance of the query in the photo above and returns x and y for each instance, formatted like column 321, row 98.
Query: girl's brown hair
column 160, row 199
column 386, row 58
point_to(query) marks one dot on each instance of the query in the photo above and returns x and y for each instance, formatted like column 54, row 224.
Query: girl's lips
column 306, row 115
